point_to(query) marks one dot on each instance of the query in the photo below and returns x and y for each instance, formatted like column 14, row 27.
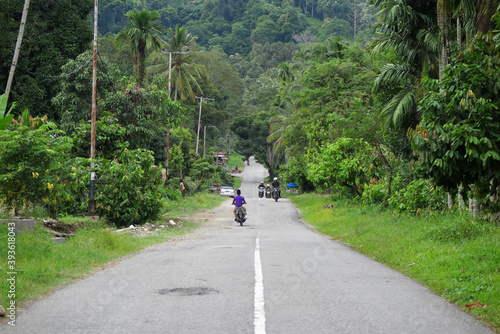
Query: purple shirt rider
column 238, row 200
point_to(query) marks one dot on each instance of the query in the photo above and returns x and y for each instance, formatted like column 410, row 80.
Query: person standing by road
column 183, row 189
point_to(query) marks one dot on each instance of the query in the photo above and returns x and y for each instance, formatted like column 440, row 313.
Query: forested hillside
column 235, row 26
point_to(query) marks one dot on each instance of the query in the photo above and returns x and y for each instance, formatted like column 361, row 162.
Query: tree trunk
column 461, row 203
column 450, row 200
column 486, row 10
column 444, row 22
column 17, row 49
column 142, row 64
column 476, row 209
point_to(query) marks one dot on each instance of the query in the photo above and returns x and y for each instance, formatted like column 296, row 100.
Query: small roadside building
column 220, row 159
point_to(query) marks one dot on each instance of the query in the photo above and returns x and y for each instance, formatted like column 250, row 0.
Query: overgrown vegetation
column 451, row 253
column 414, row 128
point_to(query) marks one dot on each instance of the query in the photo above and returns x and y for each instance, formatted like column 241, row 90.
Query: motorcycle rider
column 262, row 185
column 268, row 191
column 238, row 201
column 276, row 184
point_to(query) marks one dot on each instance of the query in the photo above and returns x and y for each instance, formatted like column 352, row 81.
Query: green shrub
column 171, row 193
column 295, row 171
column 34, row 166
column 344, row 162
column 375, row 193
column 420, row 194
column 128, row 191
column 74, row 196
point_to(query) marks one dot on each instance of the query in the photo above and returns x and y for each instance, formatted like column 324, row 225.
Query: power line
column 104, row 69
column 56, row 76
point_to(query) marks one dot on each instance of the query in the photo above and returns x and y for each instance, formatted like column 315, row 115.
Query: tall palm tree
column 409, row 28
column 444, row 11
column 284, row 123
column 184, row 71
column 465, row 14
column 143, row 31
column 284, row 72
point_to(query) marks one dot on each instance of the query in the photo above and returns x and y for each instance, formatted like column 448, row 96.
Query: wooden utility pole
column 205, row 136
column 93, row 117
column 17, row 49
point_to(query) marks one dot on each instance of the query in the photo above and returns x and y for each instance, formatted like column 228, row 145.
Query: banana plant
column 6, row 117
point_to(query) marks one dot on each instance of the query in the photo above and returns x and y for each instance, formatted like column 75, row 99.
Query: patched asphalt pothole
column 192, row 291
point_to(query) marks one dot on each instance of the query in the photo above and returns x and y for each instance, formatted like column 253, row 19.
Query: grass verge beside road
column 454, row 256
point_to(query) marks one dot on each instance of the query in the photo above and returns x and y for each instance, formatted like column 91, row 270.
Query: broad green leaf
column 5, row 121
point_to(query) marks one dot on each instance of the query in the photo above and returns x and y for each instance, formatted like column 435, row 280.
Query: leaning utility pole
column 17, row 49
column 93, row 117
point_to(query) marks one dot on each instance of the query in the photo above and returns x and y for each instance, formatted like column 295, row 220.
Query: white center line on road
column 259, row 312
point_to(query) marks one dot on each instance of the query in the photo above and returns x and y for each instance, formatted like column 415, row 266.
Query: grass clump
column 235, row 160
column 454, row 255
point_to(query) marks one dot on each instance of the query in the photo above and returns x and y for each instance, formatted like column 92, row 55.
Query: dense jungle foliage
column 392, row 102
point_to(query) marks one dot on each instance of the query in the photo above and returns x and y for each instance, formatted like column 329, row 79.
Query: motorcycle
column 276, row 194
column 240, row 216
column 261, row 192
column 268, row 193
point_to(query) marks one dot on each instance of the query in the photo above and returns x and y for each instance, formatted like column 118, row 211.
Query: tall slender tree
column 444, row 10
column 409, row 28
column 18, row 47
column 143, row 31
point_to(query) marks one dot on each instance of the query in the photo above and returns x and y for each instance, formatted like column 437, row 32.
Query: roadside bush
column 171, row 193
column 128, row 191
column 344, row 163
column 296, row 171
column 222, row 176
column 34, row 165
column 374, row 193
column 420, row 194
column 74, row 195
column 110, row 139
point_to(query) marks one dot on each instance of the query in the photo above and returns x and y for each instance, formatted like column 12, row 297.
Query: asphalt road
column 272, row 275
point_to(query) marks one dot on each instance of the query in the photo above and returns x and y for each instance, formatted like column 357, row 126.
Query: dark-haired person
column 238, row 202
column 183, row 189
